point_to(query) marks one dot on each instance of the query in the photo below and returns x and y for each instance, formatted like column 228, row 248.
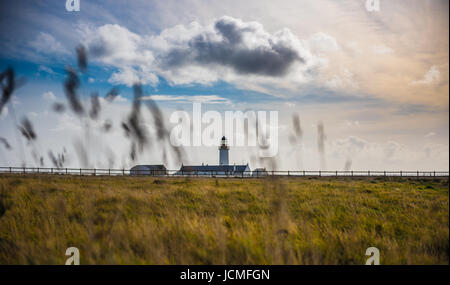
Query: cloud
column 46, row 43
column 382, row 49
column 432, row 76
column 46, row 69
column 429, row 135
column 49, row 96
column 245, row 47
column 361, row 151
column 321, row 42
column 206, row 99
column 129, row 76
column 116, row 46
column 229, row 49
column 345, row 80
column 352, row 144
column 391, row 148
column 117, row 99
column 435, row 151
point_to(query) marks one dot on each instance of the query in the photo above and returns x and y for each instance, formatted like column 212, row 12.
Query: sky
column 355, row 88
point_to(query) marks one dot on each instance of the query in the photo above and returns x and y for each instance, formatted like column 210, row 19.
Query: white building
column 223, row 169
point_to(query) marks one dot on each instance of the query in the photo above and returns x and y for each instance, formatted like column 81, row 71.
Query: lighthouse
column 224, row 169
column 223, row 151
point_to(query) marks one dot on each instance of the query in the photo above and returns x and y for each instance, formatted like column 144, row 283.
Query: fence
column 245, row 174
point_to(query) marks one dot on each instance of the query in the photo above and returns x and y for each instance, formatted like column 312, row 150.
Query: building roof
column 214, row 168
column 150, row 167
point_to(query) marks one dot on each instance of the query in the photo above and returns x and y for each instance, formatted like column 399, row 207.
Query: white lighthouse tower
column 223, row 151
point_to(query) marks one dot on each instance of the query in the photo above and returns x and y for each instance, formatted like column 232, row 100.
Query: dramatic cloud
column 116, row 46
column 246, row 48
column 229, row 49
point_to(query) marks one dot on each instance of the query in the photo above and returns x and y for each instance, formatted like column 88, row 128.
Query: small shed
column 260, row 172
column 153, row 170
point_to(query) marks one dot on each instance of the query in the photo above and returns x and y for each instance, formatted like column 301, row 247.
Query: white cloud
column 206, row 99
column 130, row 76
column 67, row 123
column 391, row 148
column 435, row 151
column 351, row 144
column 382, row 49
column 117, row 99
column 46, row 43
column 49, row 96
column 344, row 80
column 432, row 76
column 116, row 46
column 229, row 49
column 46, row 69
column 321, row 42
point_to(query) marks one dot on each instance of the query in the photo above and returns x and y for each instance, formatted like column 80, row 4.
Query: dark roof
column 229, row 168
column 151, row 167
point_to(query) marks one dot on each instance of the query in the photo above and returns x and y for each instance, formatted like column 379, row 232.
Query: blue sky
column 378, row 80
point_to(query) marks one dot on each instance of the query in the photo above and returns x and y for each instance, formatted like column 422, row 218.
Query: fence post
column 66, row 170
column 80, row 171
column 123, row 171
column 288, row 173
column 94, row 171
column 51, row 170
column 401, row 173
column 109, row 171
column 352, row 172
column 417, row 173
column 368, row 172
column 24, row 171
column 385, row 173
column 320, row 173
column 38, row 170
column 434, row 173
column 10, row 169
column 336, row 173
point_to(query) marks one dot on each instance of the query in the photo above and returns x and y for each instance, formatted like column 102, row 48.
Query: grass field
column 130, row 220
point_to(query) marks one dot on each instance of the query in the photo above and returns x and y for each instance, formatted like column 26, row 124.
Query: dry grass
column 129, row 220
